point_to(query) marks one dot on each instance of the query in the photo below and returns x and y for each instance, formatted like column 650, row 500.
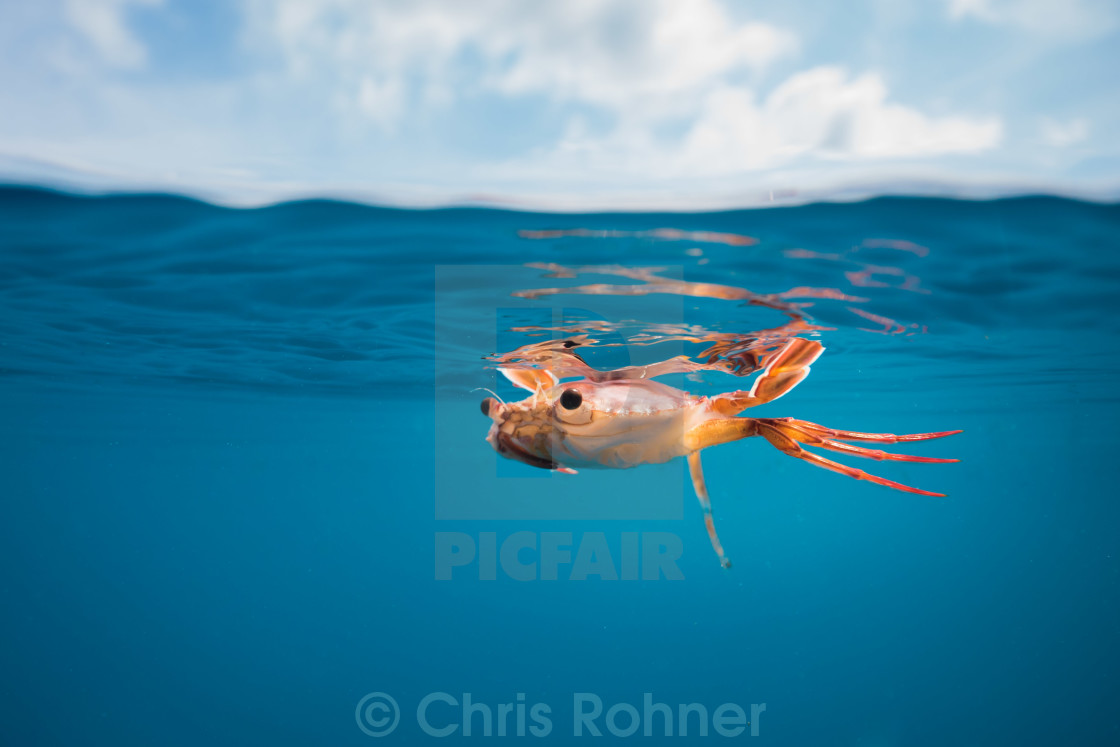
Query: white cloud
column 1069, row 19
column 101, row 24
column 820, row 114
column 623, row 55
column 1064, row 134
column 651, row 65
column 632, row 51
column 381, row 101
column 978, row 9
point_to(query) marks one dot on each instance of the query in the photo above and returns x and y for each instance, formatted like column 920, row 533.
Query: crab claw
column 783, row 372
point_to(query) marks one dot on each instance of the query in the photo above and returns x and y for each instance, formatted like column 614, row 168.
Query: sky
column 574, row 105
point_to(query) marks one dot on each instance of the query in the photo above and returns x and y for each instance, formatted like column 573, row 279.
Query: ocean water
column 246, row 493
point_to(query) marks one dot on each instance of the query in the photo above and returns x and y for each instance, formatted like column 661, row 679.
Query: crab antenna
column 484, row 389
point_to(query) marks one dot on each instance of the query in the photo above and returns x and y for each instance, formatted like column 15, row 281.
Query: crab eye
column 571, row 399
column 486, row 406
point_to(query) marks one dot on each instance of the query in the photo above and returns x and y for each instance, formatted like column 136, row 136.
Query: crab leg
column 697, row 473
column 882, row 438
column 787, row 435
column 783, row 372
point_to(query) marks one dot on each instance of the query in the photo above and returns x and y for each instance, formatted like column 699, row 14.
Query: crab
column 617, row 423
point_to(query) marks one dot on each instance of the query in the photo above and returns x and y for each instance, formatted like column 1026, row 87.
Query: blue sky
column 567, row 105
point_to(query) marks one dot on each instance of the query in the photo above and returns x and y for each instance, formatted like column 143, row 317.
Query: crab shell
column 616, row 424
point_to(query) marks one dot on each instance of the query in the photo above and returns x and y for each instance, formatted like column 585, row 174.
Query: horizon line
column 961, row 191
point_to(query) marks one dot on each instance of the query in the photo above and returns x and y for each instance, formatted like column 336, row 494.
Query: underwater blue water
column 233, row 441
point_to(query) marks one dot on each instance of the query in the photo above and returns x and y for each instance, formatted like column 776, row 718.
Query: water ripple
column 331, row 298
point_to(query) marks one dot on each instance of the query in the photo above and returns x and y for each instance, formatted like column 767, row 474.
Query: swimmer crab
column 624, row 422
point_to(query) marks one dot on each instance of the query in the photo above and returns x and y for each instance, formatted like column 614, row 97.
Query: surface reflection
column 740, row 352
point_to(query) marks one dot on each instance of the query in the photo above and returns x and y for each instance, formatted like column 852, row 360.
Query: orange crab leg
column 787, row 435
column 783, row 372
column 826, row 438
column 883, row 438
column 697, row 473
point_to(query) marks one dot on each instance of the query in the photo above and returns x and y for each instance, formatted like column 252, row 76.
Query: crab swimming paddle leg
column 787, row 435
